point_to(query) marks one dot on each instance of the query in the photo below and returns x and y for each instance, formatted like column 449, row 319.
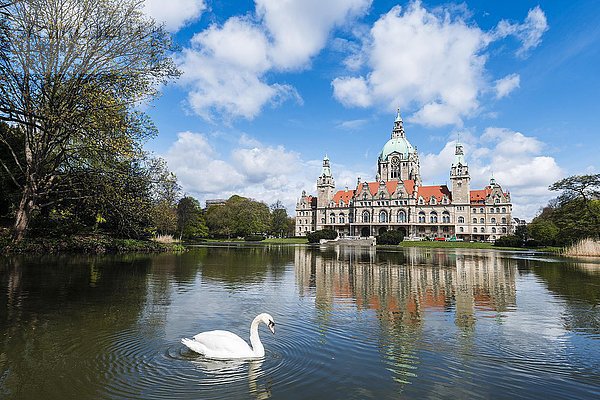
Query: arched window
column 421, row 200
column 474, row 230
column 497, row 201
column 342, row 219
column 492, row 209
column 383, row 217
column 503, row 220
column 481, row 221
column 493, row 230
column 332, row 219
column 364, row 196
column 461, row 229
column 503, row 209
column 482, row 229
column 503, row 230
column 474, row 220
column 493, row 220
column 497, row 209
column 401, row 216
column 433, row 217
column 432, row 200
column 446, row 217
column 421, row 217
column 481, row 210
column 366, row 217
column 474, row 210
column 461, row 220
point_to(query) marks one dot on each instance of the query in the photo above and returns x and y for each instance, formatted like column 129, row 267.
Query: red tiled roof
column 436, row 191
column 391, row 187
column 480, row 195
column 344, row 195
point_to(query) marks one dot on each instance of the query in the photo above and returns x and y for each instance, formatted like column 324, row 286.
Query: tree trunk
column 23, row 216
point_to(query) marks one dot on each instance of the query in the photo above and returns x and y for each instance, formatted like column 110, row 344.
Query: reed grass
column 165, row 239
column 585, row 247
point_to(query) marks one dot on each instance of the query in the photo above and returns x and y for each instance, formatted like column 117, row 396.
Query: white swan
column 224, row 345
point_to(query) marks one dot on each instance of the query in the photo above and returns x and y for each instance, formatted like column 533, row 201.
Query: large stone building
column 398, row 200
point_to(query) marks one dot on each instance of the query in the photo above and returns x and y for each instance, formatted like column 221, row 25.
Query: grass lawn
column 286, row 241
column 469, row 245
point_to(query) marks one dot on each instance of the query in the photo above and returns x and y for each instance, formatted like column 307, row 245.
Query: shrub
column 316, row 236
column 390, row 237
column 509, row 241
column 254, row 238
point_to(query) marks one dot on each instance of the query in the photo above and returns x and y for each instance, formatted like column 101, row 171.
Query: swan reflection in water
column 232, row 370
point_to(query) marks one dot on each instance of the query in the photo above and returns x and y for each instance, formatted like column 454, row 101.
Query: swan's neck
column 257, row 346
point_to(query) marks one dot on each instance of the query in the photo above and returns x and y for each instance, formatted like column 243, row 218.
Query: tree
column 316, row 236
column 544, row 231
column 165, row 192
column 71, row 74
column 239, row 216
column 390, row 237
column 190, row 219
column 521, row 232
column 279, row 219
column 583, row 190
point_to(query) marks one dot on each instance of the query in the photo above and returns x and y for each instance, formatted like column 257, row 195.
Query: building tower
column 325, row 185
column 398, row 159
column 325, row 192
column 459, row 175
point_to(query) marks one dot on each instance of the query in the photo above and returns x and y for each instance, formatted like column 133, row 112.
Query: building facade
column 398, row 200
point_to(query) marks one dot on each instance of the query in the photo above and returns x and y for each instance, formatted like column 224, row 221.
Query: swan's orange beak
column 272, row 326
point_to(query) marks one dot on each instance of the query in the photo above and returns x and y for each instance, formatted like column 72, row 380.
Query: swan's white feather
column 227, row 345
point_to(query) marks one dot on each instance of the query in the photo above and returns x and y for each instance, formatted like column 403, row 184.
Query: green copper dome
column 399, row 145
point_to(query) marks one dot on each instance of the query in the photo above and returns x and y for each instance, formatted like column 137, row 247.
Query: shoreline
column 85, row 244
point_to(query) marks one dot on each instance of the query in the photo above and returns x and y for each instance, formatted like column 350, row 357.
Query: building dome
column 396, row 144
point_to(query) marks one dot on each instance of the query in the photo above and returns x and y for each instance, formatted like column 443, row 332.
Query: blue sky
column 271, row 86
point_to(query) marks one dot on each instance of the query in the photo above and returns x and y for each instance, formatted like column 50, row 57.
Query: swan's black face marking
column 272, row 326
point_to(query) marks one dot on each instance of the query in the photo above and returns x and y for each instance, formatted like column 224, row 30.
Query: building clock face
column 395, row 161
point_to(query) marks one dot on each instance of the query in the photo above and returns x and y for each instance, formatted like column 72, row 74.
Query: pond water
column 351, row 323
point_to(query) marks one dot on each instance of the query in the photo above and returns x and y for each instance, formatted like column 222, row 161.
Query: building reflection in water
column 402, row 287
column 408, row 283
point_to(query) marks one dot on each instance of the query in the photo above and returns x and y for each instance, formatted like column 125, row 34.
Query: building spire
column 459, row 153
column 326, row 171
column 398, row 130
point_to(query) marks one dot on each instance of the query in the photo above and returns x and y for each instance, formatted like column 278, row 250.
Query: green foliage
column 577, row 214
column 509, row 241
column 254, row 238
column 316, row 236
column 574, row 216
column 239, row 216
column 543, row 231
column 191, row 223
column 279, row 222
column 390, row 237
column 164, row 217
column 521, row 232
column 72, row 73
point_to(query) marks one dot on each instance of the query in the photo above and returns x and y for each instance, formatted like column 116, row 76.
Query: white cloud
column 417, row 57
column 226, row 66
column 352, row 124
column 174, row 13
column 300, row 28
column 514, row 159
column 506, row 85
column 529, row 32
column 431, row 61
column 251, row 169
